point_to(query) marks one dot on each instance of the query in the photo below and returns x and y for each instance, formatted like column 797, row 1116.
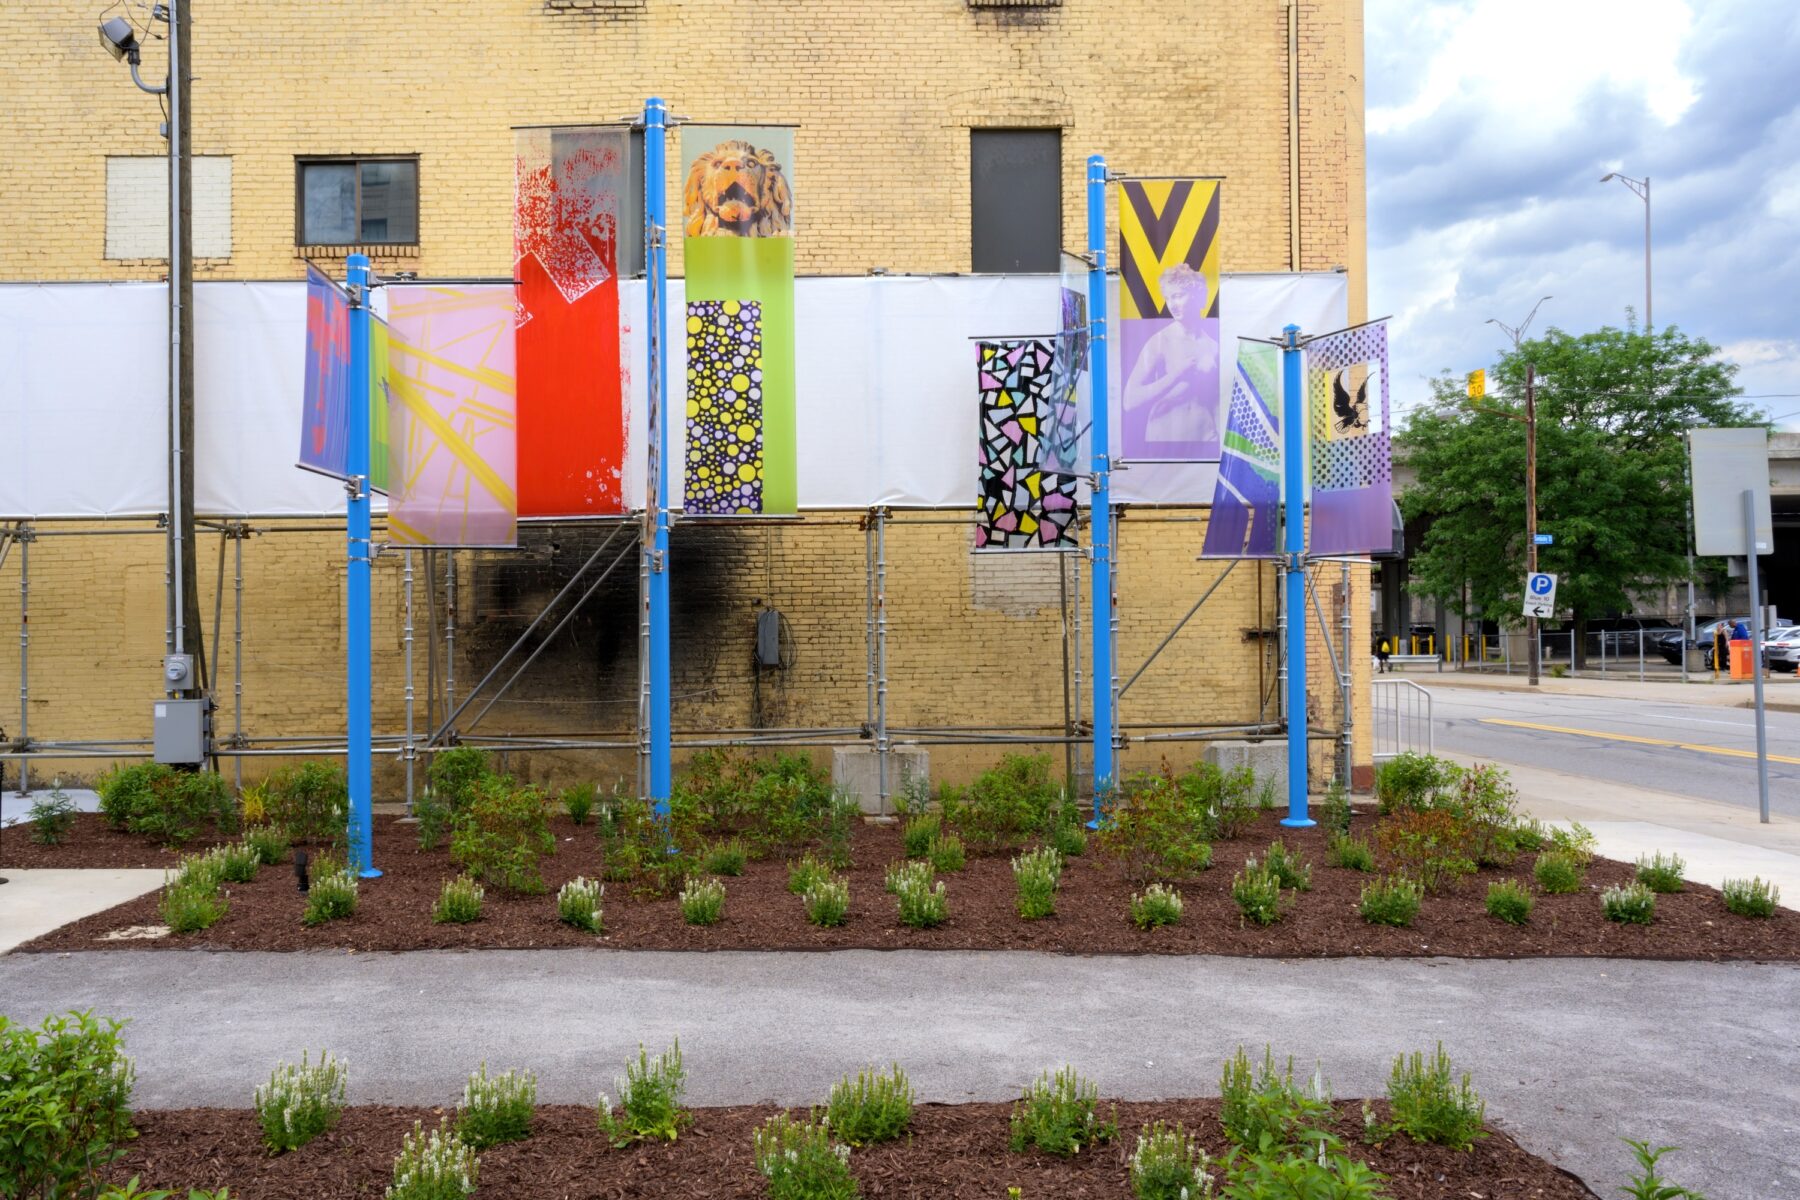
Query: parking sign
column 1540, row 595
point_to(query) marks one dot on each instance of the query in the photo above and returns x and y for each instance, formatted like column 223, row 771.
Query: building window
column 137, row 207
column 1015, row 195
column 357, row 202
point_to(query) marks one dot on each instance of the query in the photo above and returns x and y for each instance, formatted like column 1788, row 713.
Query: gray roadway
column 1467, row 724
column 1571, row 1054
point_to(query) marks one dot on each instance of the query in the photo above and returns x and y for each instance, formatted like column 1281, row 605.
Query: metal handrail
column 1401, row 711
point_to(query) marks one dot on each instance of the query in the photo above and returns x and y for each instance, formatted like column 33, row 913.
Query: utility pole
column 181, row 285
column 1531, row 560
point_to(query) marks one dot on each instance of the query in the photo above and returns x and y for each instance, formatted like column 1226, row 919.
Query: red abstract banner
column 571, row 409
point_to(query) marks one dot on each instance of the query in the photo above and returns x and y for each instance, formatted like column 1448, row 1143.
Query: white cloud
column 1533, row 59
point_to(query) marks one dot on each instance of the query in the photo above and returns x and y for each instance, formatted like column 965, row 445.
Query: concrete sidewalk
column 1718, row 840
column 1571, row 1054
column 34, row 902
column 1781, row 693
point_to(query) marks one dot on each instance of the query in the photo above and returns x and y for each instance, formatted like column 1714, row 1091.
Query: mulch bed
column 953, row 1151
column 760, row 914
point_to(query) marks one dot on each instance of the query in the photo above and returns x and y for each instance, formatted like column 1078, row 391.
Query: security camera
column 120, row 40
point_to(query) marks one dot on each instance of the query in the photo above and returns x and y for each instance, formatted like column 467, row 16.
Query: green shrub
column 578, row 801
column 1335, row 810
column 1156, row 905
column 922, row 904
column 1577, row 842
column 775, row 804
column 805, row 872
column 946, row 853
column 1633, row 904
column 1530, row 835
column 649, row 1099
column 578, row 904
column 1265, row 1106
column 1288, row 867
column 459, row 902
column 65, row 1104
column 898, row 874
column 1483, row 797
column 131, row 1191
column 301, row 1102
column 270, row 844
column 914, row 796
column 801, row 1162
column 174, row 807
column 827, row 901
column 876, row 1106
column 1431, row 1105
column 52, row 817
column 1159, row 825
column 1257, row 891
column 309, row 801
column 1320, row 1169
column 1650, row 1185
column 1068, row 839
column 1509, row 900
column 702, row 901
column 725, row 858
column 1059, row 1114
column 919, row 832
column 1169, row 1165
column 1433, row 847
column 1661, row 873
column 205, row 871
column 1391, row 901
column 189, row 907
column 439, row 1167
column 496, row 1109
column 240, row 862
column 1557, row 873
column 1004, row 805
column 455, row 774
column 1036, row 876
column 1412, row 782
column 1351, row 853
column 331, row 898
column 501, row 835
column 1751, row 897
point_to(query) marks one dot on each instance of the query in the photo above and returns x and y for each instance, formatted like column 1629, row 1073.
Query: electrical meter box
column 768, row 638
column 180, row 731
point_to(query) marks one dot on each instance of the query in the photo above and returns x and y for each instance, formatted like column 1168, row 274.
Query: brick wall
column 884, row 92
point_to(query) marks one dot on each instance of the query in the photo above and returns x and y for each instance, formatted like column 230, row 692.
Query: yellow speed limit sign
column 1477, row 384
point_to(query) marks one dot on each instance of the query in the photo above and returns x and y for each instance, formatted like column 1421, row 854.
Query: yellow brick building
column 885, row 94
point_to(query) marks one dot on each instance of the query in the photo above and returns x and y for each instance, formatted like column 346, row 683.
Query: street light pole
column 1641, row 189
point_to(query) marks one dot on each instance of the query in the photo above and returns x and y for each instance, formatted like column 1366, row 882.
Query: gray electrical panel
column 768, row 638
column 180, row 731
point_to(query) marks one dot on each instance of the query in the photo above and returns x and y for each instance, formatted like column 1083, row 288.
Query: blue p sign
column 1541, row 585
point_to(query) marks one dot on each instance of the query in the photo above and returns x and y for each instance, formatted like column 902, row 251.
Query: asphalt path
column 1703, row 751
column 1570, row 1054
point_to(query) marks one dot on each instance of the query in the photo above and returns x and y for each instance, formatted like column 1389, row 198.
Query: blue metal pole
column 655, row 243
column 358, row 713
column 1100, row 502
column 1293, row 457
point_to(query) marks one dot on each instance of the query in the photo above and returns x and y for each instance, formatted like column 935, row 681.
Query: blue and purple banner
column 1245, row 499
column 324, row 424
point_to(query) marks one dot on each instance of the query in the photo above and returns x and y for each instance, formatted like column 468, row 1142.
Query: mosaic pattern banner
column 452, row 415
column 1169, row 319
column 724, row 408
column 738, row 217
column 568, row 185
column 1352, row 455
column 1245, row 500
column 325, row 423
column 1023, row 505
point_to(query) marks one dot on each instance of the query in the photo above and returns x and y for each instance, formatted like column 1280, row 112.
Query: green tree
column 1611, row 407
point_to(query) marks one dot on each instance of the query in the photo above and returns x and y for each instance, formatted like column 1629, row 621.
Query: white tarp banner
column 885, row 380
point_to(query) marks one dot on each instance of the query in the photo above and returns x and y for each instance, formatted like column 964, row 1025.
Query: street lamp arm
column 142, row 86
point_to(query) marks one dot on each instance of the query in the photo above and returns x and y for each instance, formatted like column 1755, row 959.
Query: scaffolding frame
column 413, row 742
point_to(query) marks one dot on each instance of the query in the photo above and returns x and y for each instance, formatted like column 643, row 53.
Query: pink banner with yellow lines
column 452, row 416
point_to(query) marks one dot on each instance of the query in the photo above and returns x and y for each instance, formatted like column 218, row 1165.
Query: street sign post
column 1540, row 595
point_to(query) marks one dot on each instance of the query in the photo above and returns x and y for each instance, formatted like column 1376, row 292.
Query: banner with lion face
column 738, row 217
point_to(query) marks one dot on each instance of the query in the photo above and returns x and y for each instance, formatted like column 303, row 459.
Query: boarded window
column 137, row 207
column 1015, row 193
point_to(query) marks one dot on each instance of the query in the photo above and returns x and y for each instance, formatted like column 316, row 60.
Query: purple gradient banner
column 1352, row 464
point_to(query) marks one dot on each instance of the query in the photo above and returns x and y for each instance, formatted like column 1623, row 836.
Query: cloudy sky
column 1490, row 123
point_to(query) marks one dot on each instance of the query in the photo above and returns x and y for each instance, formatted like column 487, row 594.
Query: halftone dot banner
column 725, row 407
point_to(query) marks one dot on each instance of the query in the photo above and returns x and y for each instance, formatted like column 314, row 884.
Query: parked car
column 1784, row 655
